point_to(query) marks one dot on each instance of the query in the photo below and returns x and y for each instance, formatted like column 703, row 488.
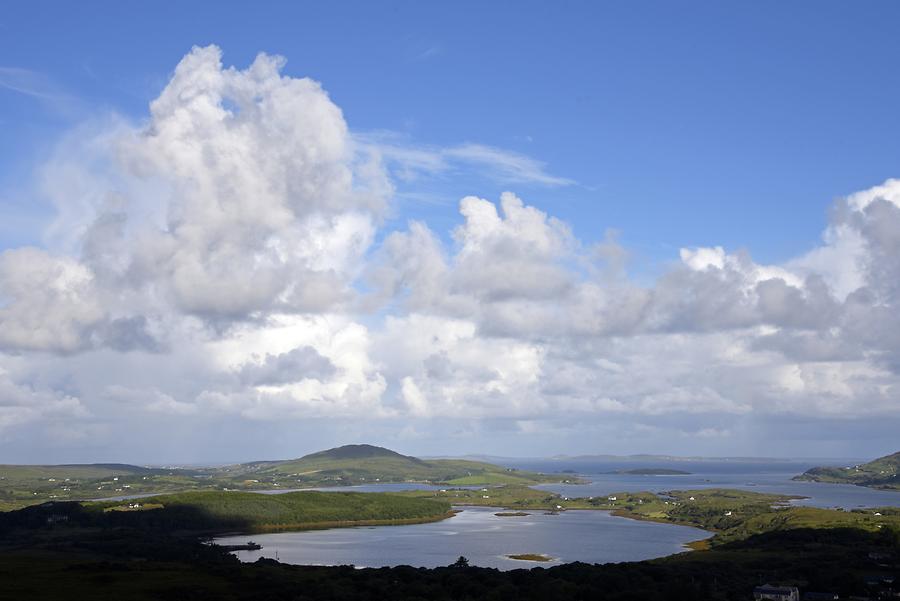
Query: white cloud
column 207, row 265
column 410, row 162
column 47, row 302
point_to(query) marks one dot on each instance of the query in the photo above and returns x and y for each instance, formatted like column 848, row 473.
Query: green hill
column 22, row 485
column 366, row 464
column 883, row 472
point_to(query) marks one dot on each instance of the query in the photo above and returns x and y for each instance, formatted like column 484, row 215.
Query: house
column 727, row 514
column 611, row 499
column 54, row 518
column 811, row 596
column 776, row 593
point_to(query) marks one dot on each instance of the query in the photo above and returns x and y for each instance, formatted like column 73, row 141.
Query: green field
column 295, row 510
column 366, row 464
column 217, row 512
column 23, row 485
column 883, row 472
column 730, row 514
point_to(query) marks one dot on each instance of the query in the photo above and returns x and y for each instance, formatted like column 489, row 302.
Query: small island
column 530, row 557
column 652, row 471
column 511, row 514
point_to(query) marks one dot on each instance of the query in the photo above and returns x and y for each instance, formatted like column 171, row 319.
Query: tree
column 462, row 562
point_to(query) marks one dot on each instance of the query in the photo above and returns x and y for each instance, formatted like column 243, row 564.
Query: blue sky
column 722, row 142
column 683, row 123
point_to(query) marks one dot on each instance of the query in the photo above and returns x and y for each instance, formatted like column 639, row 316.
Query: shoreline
column 306, row 526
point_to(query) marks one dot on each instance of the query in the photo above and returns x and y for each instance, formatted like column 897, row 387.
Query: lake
column 588, row 536
column 482, row 537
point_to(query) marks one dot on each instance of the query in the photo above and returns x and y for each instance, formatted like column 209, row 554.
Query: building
column 776, row 593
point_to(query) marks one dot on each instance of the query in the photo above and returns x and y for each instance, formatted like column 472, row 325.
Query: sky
column 514, row 228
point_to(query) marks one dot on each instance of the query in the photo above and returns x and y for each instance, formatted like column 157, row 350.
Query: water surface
column 482, row 537
column 757, row 476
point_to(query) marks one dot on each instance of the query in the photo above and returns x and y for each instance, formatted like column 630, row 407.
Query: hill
column 22, row 485
column 366, row 464
column 883, row 472
column 359, row 451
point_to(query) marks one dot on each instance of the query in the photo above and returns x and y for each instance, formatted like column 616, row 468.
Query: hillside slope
column 366, row 464
column 883, row 472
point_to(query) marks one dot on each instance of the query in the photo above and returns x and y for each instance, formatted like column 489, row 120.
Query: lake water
column 484, row 538
column 588, row 536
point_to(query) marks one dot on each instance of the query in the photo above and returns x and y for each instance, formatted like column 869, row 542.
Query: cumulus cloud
column 242, row 194
column 47, row 302
column 293, row 366
column 218, row 261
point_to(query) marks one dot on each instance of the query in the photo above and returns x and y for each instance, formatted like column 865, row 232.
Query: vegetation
column 49, row 563
column 366, row 464
column 883, row 472
column 113, row 551
column 219, row 512
column 23, row 485
column 730, row 514
column 530, row 557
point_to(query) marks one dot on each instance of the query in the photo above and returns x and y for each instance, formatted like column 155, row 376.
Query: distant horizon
column 559, row 456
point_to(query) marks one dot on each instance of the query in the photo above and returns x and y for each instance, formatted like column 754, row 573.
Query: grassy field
column 730, row 514
column 883, row 472
column 23, row 485
column 297, row 510
column 366, row 464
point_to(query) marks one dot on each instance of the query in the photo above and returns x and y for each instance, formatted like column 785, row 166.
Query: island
column 530, row 557
column 883, row 473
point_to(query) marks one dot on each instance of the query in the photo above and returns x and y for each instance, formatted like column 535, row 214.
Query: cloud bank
column 217, row 262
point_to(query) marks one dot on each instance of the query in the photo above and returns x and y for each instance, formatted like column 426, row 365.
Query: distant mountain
column 883, row 472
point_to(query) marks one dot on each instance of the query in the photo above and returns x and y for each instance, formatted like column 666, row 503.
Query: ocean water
column 759, row 476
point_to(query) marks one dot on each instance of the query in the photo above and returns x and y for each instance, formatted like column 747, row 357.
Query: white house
column 776, row 593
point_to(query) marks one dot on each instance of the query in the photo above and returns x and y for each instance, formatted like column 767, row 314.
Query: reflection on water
column 482, row 537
